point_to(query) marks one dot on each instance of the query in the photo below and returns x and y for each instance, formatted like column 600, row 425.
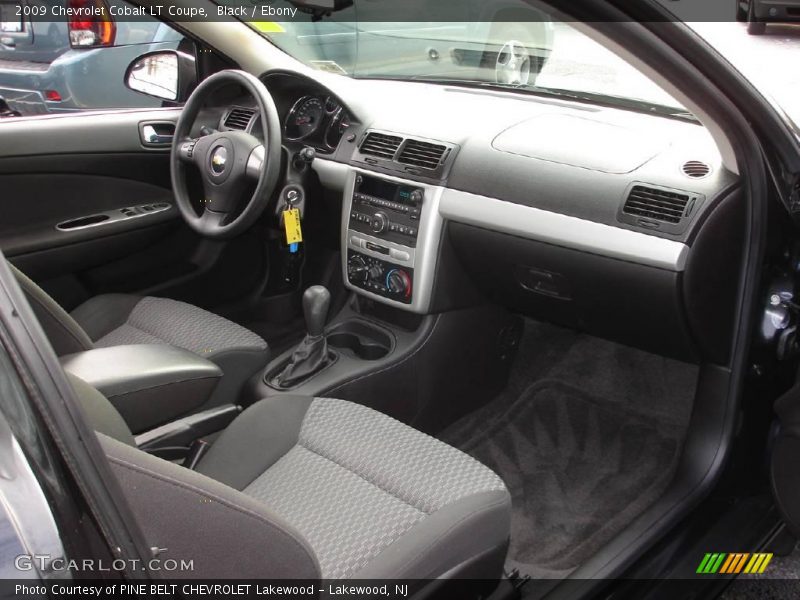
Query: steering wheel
column 229, row 161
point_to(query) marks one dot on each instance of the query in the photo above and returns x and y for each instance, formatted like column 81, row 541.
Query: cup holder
column 364, row 351
column 360, row 339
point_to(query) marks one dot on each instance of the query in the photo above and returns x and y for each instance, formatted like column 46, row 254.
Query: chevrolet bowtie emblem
column 218, row 160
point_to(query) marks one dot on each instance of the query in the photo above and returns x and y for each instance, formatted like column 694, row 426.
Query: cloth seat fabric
column 120, row 319
column 340, row 490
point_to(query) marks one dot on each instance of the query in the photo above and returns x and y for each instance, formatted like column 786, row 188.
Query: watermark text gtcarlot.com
column 49, row 564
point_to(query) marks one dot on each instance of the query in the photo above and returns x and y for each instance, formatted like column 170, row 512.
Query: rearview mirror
column 322, row 4
column 319, row 8
column 164, row 74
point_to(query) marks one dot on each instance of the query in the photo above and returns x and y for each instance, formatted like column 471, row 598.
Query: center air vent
column 422, row 154
column 410, row 157
column 380, row 145
column 657, row 204
column 239, row 118
column 695, row 169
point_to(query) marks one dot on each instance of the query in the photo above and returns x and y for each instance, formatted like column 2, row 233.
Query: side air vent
column 422, row 154
column 656, row 204
column 695, row 169
column 239, row 118
column 380, row 145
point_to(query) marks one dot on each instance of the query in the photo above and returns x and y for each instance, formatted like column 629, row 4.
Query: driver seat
column 119, row 319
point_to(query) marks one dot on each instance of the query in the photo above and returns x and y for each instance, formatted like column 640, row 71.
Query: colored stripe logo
column 734, row 563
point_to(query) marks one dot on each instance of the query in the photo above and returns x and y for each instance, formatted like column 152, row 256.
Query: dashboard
column 598, row 218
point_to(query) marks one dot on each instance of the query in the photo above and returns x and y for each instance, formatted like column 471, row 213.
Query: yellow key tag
column 291, row 223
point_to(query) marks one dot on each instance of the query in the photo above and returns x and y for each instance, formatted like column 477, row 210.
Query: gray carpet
column 586, row 436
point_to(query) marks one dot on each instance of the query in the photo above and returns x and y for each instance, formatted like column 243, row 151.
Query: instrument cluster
column 318, row 121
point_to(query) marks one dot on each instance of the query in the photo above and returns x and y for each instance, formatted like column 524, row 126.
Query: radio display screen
column 385, row 190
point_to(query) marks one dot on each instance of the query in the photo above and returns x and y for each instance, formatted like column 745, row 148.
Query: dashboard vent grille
column 422, row 154
column 239, row 118
column 652, row 203
column 381, row 145
column 696, row 169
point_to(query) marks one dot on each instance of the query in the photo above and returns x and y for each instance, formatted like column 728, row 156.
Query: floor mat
column 586, row 436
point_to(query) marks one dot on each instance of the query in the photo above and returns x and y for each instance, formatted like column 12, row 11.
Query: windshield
column 522, row 49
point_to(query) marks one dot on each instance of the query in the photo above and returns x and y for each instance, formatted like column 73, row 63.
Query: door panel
column 82, row 133
column 129, row 236
column 48, row 210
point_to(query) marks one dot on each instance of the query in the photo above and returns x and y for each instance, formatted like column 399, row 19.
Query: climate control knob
column 398, row 282
column 379, row 222
column 357, row 270
column 375, row 272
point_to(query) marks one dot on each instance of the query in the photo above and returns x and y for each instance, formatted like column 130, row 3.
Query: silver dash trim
column 333, row 175
column 424, row 257
column 563, row 230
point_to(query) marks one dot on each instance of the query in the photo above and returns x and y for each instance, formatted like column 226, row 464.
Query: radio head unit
column 387, row 190
column 386, row 210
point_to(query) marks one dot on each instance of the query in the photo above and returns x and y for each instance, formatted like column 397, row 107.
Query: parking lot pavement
column 578, row 63
column 770, row 61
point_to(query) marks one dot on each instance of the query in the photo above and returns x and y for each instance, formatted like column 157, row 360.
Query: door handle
column 157, row 133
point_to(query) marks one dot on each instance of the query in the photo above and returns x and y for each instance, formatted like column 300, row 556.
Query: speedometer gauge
column 304, row 118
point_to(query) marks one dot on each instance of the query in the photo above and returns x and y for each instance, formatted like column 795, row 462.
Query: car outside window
column 51, row 67
column 504, row 44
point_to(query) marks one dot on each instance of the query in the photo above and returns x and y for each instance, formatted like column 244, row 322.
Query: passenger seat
column 314, row 488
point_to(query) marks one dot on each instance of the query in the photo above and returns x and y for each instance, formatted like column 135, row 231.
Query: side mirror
column 165, row 74
column 6, row 111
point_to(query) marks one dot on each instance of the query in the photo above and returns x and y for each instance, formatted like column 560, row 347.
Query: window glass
column 56, row 67
column 520, row 48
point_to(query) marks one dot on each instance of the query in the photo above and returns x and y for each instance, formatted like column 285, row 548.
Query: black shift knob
column 316, row 301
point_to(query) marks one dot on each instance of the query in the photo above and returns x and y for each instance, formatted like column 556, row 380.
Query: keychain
column 291, row 225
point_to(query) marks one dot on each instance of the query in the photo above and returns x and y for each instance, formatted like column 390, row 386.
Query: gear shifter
column 316, row 301
column 312, row 355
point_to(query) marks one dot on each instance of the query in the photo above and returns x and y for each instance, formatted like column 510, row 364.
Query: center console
column 149, row 384
column 391, row 233
column 396, row 345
